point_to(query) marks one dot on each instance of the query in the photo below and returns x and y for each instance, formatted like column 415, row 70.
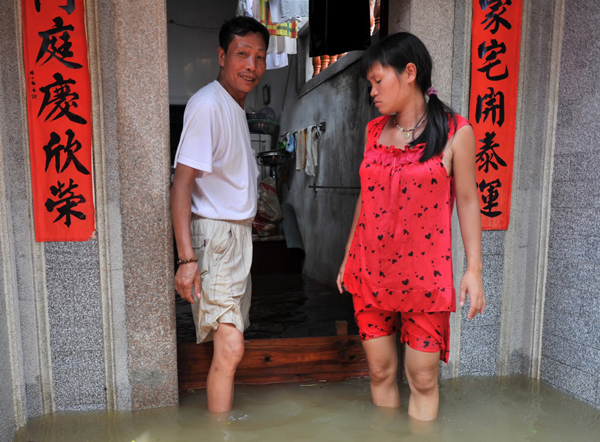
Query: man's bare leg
column 228, row 352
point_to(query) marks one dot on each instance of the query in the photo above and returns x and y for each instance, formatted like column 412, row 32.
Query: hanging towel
column 276, row 61
column 290, row 142
column 294, row 8
column 243, row 8
column 301, row 149
column 338, row 26
column 312, row 150
column 288, row 29
column 288, row 10
column 280, row 45
column 275, row 11
column 282, row 40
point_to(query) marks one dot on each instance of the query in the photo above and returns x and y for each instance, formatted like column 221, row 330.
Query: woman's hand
column 340, row 277
column 472, row 285
column 186, row 279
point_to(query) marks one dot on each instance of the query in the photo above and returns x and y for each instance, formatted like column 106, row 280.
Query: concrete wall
column 526, row 241
column 23, row 379
column 325, row 216
column 571, row 346
column 91, row 325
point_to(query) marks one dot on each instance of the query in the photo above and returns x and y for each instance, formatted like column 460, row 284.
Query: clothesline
column 305, row 143
column 281, row 19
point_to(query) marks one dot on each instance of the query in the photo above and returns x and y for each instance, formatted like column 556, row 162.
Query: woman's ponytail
column 396, row 51
column 435, row 134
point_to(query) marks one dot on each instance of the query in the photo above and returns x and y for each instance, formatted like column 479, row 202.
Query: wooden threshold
column 269, row 361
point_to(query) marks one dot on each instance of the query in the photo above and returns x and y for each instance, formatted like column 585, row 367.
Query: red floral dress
column 401, row 253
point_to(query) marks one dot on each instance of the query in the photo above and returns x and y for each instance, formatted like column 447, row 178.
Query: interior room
column 294, row 295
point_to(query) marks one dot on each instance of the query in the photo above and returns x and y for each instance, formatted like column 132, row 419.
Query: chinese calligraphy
column 59, row 95
column 69, row 7
column 494, row 17
column 66, row 203
column 53, row 151
column 490, row 196
column 487, row 154
column 490, row 104
column 492, row 52
column 59, row 114
column 60, row 52
column 494, row 80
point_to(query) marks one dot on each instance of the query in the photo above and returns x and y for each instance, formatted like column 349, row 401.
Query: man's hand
column 188, row 282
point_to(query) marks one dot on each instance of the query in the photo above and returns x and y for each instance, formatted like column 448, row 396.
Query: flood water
column 471, row 410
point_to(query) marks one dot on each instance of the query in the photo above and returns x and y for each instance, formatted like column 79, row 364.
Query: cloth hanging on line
column 250, row 8
column 288, row 10
column 338, row 26
column 287, row 29
column 276, row 61
column 301, row 149
column 243, row 8
column 312, row 150
column 283, row 37
column 306, row 143
column 290, row 141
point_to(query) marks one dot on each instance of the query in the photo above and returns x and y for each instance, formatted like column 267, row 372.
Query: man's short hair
column 241, row 26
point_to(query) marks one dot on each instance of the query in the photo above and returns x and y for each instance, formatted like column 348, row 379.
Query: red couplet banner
column 493, row 103
column 59, row 116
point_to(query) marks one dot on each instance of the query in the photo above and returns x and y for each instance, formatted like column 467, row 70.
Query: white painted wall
column 193, row 59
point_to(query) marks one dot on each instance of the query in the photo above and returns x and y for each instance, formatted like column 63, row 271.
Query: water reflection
column 471, row 409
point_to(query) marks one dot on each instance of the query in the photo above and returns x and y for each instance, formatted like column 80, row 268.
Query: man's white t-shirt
column 216, row 141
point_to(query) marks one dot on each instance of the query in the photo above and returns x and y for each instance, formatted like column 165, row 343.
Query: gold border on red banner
column 495, row 50
column 59, row 115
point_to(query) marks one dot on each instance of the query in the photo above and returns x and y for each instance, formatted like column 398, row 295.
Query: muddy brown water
column 471, row 410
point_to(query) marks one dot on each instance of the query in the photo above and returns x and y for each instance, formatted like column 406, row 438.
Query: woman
column 419, row 156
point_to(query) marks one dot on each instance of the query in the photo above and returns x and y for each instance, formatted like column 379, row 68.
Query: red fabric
column 428, row 332
column 401, row 254
column 59, row 106
column 495, row 58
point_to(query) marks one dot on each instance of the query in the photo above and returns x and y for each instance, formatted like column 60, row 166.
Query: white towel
column 312, row 150
column 275, row 10
column 276, row 61
column 301, row 149
column 294, row 8
column 288, row 10
column 244, row 7
column 278, row 44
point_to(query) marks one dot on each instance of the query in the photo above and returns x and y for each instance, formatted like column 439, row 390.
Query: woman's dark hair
column 241, row 26
column 396, row 51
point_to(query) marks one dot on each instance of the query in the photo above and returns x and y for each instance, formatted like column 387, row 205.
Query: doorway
column 288, row 308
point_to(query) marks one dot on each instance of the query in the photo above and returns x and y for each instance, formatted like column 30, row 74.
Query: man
column 216, row 182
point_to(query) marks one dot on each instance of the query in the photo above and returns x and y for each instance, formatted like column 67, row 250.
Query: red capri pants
column 428, row 331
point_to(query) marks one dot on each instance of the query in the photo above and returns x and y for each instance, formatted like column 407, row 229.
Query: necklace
column 407, row 132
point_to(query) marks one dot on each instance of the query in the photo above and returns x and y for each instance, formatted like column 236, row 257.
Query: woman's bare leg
column 422, row 370
column 382, row 359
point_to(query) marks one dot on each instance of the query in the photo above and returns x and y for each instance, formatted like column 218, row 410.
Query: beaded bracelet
column 186, row 261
